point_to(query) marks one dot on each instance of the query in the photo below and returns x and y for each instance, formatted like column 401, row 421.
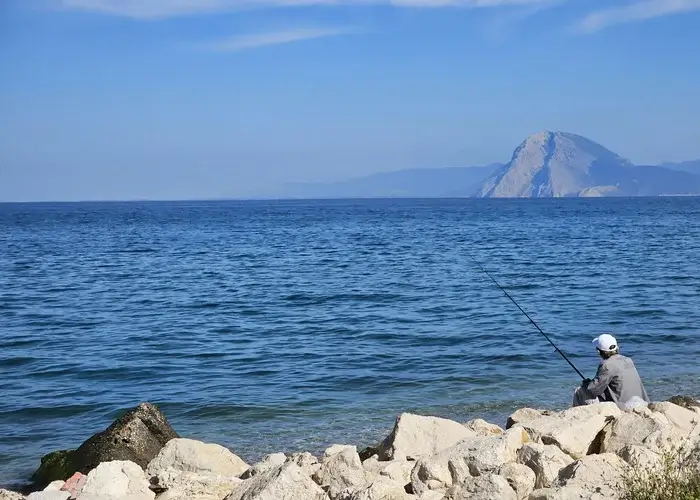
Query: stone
column 286, row 482
column 188, row 455
column 306, row 461
column 341, row 472
column 137, row 436
column 117, row 479
column 337, row 448
column 431, row 495
column 576, row 430
column 640, row 457
column 525, row 415
column 382, row 488
column 485, row 487
column 595, row 474
column 685, row 421
column 520, row 478
column 399, row 471
column 470, row 457
column 685, row 402
column 483, row 428
column 74, row 484
column 630, row 428
column 10, row 495
column 268, row 462
column 186, row 485
column 55, row 486
column 416, row 436
column 49, row 495
column 545, row 461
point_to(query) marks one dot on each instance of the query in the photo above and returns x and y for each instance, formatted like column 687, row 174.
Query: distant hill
column 561, row 164
column 414, row 183
column 692, row 167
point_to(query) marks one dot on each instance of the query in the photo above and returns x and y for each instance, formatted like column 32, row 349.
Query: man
column 617, row 379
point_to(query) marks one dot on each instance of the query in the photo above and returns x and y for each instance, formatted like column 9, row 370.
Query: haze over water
column 289, row 326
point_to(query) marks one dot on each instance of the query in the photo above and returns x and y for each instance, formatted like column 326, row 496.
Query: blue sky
column 173, row 99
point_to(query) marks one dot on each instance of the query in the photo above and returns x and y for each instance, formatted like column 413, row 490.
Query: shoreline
column 417, row 459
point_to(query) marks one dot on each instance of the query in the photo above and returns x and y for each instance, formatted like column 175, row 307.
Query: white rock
column 602, row 475
column 685, row 421
column 341, row 473
column 49, row 495
column 486, row 487
column 195, row 456
column 520, row 477
column 10, row 495
column 470, row 457
column 55, row 486
column 382, row 488
column 484, row 428
column 337, row 448
column 286, row 482
column 399, row 471
column 432, row 495
column 631, row 429
column 574, row 430
column 525, row 415
column 117, row 479
column 545, row 461
column 306, row 461
column 268, row 462
column 640, row 457
column 185, row 484
column 416, row 436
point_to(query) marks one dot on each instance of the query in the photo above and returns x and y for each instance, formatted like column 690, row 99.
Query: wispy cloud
column 637, row 11
column 254, row 41
column 154, row 9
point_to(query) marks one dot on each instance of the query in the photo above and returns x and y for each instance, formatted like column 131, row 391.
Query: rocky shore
column 579, row 453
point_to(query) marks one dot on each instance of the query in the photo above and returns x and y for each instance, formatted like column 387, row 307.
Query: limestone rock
column 432, row 495
column 268, row 462
column 337, row 448
column 117, row 479
column 683, row 420
column 415, row 436
column 399, row 471
column 188, row 455
column 55, row 486
column 185, row 485
column 574, row 431
column 640, row 457
column 483, row 428
column 286, row 482
column 685, row 402
column 382, row 488
column 520, row 478
column 74, row 484
column 306, row 461
column 545, row 461
column 486, row 487
column 470, row 457
column 525, row 415
column 341, row 472
column 10, row 495
column 49, row 495
column 601, row 474
column 137, row 436
column 631, row 428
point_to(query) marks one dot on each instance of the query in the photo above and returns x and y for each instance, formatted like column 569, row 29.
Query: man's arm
column 601, row 381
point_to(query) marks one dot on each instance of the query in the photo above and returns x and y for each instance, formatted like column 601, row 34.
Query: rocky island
column 579, row 453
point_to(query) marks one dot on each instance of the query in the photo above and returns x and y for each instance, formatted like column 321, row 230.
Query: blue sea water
column 292, row 325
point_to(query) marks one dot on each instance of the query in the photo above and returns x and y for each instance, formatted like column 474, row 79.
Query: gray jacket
column 617, row 380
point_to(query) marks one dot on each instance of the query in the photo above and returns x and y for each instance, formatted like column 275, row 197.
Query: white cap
column 605, row 343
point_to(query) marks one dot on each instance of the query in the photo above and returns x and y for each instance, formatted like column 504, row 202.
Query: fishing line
column 527, row 316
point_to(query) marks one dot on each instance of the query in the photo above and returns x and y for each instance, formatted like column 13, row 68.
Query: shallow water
column 287, row 326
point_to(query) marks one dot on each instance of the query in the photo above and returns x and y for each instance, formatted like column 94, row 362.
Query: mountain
column 413, row 183
column 692, row 167
column 561, row 164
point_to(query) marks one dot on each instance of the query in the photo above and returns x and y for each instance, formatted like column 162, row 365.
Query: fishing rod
column 528, row 317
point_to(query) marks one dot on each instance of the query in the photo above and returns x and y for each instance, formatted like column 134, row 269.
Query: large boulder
column 10, row 495
column 685, row 402
column 341, row 473
column 188, row 455
column 416, row 436
column 137, row 437
column 525, row 415
column 684, row 421
column 306, row 461
column 483, row 428
column 286, row 482
column 545, row 461
column 473, row 456
column 575, row 431
column 520, row 477
column 631, row 428
column 186, row 485
column 486, row 487
column 268, row 462
column 115, row 480
column 640, row 458
column 382, row 488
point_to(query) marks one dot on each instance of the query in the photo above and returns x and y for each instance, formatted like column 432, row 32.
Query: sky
column 198, row 99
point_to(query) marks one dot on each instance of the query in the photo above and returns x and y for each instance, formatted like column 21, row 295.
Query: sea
column 289, row 326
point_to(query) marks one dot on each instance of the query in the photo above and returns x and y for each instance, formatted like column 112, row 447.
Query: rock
column 683, row 420
column 382, row 488
column 338, row 448
column 415, row 436
column 520, row 478
column 486, row 487
column 74, row 485
column 685, row 402
column 601, row 474
column 306, row 461
column 640, row 457
column 373, row 465
column 268, row 462
column 575, row 431
column 184, row 485
column 117, row 479
column 341, row 472
column 55, row 486
column 286, row 482
column 432, row 495
column 483, row 428
column 525, row 415
column 470, row 457
column 545, row 461
column 188, row 455
column 399, row 471
column 10, row 495
column 631, row 428
column 49, row 495
column 137, row 436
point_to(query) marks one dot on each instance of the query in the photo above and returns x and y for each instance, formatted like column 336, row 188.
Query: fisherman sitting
column 617, row 379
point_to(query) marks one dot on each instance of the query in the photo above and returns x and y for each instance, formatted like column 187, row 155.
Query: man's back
column 624, row 381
